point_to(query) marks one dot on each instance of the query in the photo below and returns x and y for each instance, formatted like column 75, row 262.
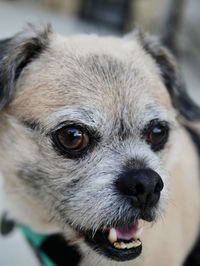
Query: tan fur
column 66, row 64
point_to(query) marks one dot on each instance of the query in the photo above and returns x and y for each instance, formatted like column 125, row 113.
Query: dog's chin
column 119, row 243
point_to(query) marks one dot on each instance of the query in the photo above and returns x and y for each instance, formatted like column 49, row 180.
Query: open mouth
column 120, row 243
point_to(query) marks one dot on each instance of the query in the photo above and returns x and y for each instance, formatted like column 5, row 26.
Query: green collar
column 51, row 250
column 36, row 240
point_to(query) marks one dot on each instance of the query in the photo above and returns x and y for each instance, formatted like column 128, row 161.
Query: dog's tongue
column 126, row 233
column 125, row 237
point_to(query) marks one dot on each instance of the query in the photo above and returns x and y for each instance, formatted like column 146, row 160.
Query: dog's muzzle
column 140, row 190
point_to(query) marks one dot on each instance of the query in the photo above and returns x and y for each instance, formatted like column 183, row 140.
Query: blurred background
column 177, row 22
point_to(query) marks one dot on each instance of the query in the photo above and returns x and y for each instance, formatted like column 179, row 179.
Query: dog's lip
column 100, row 243
column 120, row 243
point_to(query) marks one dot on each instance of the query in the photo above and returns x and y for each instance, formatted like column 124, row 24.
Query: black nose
column 142, row 186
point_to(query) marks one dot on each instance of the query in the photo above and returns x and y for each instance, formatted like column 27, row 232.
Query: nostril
column 159, row 186
column 140, row 189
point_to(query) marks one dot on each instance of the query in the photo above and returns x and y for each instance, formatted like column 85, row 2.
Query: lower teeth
column 122, row 245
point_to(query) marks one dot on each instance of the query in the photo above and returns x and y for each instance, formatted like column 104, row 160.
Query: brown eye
column 157, row 134
column 72, row 138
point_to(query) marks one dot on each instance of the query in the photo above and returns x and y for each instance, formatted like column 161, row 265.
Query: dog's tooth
column 122, row 245
column 138, row 233
column 112, row 237
column 135, row 243
column 119, row 245
column 129, row 245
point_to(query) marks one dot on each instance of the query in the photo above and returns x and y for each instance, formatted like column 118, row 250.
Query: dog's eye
column 74, row 141
column 157, row 134
column 72, row 138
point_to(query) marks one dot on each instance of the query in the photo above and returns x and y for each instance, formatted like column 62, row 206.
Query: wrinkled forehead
column 100, row 81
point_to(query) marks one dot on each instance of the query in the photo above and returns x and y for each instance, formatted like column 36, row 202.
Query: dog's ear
column 171, row 77
column 15, row 54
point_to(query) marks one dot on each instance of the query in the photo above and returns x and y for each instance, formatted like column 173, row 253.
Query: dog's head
column 89, row 131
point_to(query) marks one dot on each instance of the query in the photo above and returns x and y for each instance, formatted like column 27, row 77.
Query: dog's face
column 89, row 132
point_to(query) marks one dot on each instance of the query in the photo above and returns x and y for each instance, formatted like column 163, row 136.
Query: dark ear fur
column 15, row 54
column 171, row 78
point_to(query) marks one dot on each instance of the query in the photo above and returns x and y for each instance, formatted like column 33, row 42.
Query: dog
column 94, row 145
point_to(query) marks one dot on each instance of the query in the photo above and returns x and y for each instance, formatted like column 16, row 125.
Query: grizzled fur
column 113, row 87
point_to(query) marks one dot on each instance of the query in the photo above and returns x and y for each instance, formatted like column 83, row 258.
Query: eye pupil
column 157, row 131
column 72, row 138
column 157, row 135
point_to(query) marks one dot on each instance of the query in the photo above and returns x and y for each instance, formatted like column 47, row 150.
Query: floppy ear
column 15, row 54
column 171, row 78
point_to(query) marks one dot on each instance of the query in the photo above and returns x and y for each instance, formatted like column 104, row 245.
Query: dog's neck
column 51, row 250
